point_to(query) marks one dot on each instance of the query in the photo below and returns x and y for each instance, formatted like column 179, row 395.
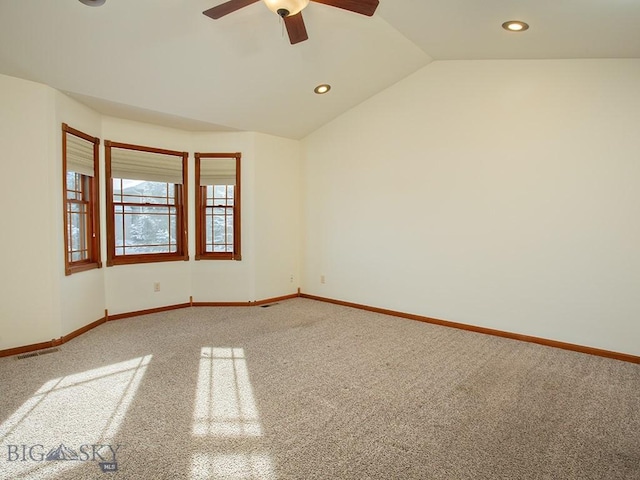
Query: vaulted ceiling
column 164, row 62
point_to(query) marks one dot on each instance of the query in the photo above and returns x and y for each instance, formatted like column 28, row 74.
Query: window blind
column 217, row 171
column 79, row 155
column 140, row 165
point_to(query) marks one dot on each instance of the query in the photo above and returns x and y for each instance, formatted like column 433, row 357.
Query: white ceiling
column 162, row 61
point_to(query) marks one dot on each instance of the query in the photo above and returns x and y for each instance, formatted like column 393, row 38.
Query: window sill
column 81, row 267
column 218, row 256
column 146, row 258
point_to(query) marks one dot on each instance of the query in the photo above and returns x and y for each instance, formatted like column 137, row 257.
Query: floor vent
column 27, row 355
column 269, row 305
column 35, row 354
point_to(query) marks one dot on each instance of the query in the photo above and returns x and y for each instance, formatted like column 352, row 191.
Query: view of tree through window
column 145, row 217
column 219, row 218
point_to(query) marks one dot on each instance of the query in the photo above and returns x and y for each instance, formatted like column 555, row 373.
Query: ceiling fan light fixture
column 515, row 26
column 93, row 3
column 285, row 8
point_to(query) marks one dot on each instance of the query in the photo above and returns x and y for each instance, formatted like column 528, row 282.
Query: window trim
column 93, row 212
column 182, row 250
column 201, row 253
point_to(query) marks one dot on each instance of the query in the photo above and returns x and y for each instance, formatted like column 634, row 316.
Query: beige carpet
column 308, row 390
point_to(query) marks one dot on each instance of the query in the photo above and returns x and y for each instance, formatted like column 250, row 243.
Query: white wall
column 221, row 280
column 29, row 286
column 278, row 216
column 270, row 168
column 495, row 193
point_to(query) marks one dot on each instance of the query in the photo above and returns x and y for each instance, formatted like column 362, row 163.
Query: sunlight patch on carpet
column 225, row 408
column 224, row 405
column 58, row 427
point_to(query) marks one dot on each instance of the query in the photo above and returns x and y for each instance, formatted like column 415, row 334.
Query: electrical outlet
column 321, row 278
column 291, row 278
column 156, row 286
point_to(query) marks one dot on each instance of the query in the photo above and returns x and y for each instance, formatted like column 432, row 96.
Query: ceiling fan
column 291, row 12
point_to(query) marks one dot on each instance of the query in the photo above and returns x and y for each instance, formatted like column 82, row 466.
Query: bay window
column 218, row 206
column 146, row 204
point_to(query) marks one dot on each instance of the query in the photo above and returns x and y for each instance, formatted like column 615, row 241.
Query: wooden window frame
column 201, row 205
column 181, row 194
column 92, row 235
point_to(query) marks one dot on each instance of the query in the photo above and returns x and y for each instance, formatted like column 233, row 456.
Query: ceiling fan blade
column 295, row 28
column 227, row 8
column 363, row 7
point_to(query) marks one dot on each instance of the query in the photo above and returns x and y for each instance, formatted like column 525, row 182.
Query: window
column 218, row 206
column 146, row 204
column 80, row 200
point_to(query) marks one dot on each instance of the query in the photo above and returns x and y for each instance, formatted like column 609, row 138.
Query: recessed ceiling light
column 93, row 3
column 324, row 88
column 515, row 26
